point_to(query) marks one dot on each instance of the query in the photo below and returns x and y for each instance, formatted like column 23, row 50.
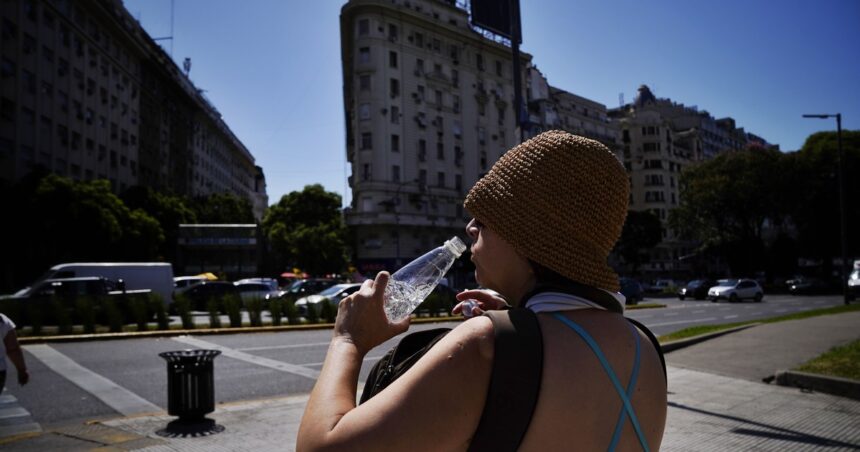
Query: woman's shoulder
column 475, row 336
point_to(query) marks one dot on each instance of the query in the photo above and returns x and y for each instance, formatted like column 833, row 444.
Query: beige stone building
column 659, row 138
column 87, row 94
column 428, row 104
column 554, row 108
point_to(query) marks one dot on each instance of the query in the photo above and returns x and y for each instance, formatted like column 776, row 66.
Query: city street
column 73, row 382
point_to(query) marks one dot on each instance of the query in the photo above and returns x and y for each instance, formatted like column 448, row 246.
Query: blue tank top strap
column 625, row 399
column 631, row 385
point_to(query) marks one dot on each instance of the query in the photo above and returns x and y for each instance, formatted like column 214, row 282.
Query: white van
column 155, row 276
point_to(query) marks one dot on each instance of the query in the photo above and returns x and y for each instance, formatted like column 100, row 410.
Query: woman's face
column 497, row 265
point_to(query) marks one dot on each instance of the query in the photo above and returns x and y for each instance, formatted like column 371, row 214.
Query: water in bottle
column 410, row 285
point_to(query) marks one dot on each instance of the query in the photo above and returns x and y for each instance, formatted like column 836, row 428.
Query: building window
column 438, row 99
column 498, row 68
column 364, row 111
column 363, row 27
column 419, row 40
column 364, row 55
column 479, row 61
column 364, row 82
column 440, row 151
column 422, row 177
column 501, row 116
column 366, row 140
column 437, row 45
column 395, row 143
column 392, row 59
column 394, row 87
column 422, row 150
column 458, row 182
column 392, row 32
column 440, row 179
column 395, row 114
column 419, row 66
column 456, row 104
column 395, row 173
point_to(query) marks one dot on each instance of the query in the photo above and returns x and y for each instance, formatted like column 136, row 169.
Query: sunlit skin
column 426, row 409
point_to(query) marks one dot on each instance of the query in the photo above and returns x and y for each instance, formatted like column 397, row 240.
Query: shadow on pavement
column 777, row 433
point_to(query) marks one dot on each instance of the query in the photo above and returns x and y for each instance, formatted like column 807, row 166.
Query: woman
column 545, row 219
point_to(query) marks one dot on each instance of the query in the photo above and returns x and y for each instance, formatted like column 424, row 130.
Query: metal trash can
column 190, row 383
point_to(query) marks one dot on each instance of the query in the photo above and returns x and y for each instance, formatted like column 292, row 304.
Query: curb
column 686, row 342
column 838, row 386
column 25, row 340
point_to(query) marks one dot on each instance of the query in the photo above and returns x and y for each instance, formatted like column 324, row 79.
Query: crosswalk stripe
column 253, row 359
column 15, row 419
column 113, row 395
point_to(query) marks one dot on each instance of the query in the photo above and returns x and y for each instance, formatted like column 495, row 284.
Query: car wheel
column 733, row 298
column 758, row 297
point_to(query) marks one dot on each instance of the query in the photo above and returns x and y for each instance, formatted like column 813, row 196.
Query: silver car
column 334, row 293
column 735, row 290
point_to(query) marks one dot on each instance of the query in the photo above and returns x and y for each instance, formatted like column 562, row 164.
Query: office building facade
column 87, row 94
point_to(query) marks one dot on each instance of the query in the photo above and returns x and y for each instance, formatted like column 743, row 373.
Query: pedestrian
column 545, row 218
column 12, row 349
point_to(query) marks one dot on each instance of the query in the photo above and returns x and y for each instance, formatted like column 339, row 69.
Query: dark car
column 810, row 286
column 632, row 290
column 696, row 289
column 308, row 286
column 200, row 293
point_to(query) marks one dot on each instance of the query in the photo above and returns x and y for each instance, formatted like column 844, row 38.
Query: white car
column 334, row 293
column 256, row 288
column 735, row 290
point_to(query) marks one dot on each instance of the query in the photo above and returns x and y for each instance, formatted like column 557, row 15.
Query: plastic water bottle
column 410, row 285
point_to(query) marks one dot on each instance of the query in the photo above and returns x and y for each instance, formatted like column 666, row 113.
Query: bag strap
column 654, row 342
column 514, row 383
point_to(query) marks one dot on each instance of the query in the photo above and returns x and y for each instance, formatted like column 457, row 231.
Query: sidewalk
column 716, row 402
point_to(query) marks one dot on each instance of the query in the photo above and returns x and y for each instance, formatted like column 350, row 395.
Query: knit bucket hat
column 559, row 200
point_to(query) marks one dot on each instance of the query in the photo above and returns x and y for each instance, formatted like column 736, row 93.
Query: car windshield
column 727, row 282
column 695, row 283
column 333, row 289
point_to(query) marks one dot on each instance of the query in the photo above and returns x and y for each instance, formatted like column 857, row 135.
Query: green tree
column 727, row 202
column 169, row 210
column 642, row 231
column 223, row 208
column 814, row 195
column 305, row 229
column 60, row 220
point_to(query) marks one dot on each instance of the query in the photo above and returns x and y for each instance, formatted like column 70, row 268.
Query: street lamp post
column 842, row 221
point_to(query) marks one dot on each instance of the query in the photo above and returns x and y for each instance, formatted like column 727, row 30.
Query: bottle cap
column 456, row 245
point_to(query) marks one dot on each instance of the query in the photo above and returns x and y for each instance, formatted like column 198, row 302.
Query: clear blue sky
column 272, row 67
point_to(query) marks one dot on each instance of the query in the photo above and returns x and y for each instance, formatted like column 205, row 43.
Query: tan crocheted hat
column 561, row 201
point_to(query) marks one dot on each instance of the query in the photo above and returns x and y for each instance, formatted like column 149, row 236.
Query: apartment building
column 554, row 108
column 428, row 104
column 659, row 139
column 87, row 94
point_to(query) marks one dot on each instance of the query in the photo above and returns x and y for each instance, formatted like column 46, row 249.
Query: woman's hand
column 361, row 318
column 487, row 301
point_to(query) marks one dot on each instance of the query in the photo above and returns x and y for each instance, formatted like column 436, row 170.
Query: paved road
column 71, row 382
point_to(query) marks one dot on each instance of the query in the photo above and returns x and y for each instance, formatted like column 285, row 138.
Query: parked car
column 39, row 299
column 809, row 286
column 662, row 286
column 333, row 293
column 256, row 288
column 696, row 289
column 200, row 294
column 854, row 281
column 735, row 290
column 307, row 286
column 180, row 282
column 632, row 290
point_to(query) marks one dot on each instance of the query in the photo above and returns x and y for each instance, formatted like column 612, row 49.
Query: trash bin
column 190, row 383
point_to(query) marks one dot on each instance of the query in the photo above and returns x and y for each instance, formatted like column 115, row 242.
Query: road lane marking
column 755, row 313
column 730, row 316
column 249, row 358
column 277, row 347
column 781, row 310
column 699, row 311
column 111, row 394
column 706, row 319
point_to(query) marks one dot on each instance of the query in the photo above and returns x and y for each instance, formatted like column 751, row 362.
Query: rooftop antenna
column 186, row 65
column 170, row 38
column 620, row 99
